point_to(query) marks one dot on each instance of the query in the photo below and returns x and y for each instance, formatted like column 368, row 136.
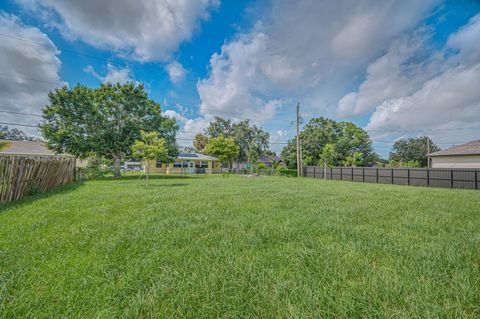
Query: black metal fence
column 467, row 178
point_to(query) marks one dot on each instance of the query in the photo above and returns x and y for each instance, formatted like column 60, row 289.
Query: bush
column 261, row 166
column 96, row 168
column 287, row 172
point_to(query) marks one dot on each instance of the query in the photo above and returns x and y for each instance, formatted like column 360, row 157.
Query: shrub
column 96, row 168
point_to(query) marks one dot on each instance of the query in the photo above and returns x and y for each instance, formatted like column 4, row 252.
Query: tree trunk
column 148, row 172
column 116, row 163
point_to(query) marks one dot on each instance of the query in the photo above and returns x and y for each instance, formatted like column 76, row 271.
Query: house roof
column 196, row 156
column 268, row 158
column 470, row 148
column 27, row 148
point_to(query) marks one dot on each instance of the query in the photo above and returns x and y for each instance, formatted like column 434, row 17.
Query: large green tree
column 252, row 140
column 318, row 132
column 104, row 122
column 222, row 147
column 412, row 150
column 219, row 127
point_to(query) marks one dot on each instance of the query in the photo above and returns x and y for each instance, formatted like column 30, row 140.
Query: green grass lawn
column 237, row 247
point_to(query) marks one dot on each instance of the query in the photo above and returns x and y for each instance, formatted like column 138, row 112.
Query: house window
column 178, row 164
column 158, row 164
column 204, row 164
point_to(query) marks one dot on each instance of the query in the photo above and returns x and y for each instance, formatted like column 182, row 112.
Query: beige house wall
column 456, row 161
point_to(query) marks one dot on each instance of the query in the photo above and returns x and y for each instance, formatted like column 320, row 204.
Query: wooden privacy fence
column 24, row 175
column 429, row 177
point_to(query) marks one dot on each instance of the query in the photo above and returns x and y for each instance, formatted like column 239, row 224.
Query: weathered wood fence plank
column 23, row 175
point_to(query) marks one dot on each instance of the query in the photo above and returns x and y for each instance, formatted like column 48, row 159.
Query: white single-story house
column 461, row 156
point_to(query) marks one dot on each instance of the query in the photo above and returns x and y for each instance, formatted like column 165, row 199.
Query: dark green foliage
column 345, row 136
column 105, row 121
column 412, row 150
column 252, row 140
column 200, row 142
column 96, row 168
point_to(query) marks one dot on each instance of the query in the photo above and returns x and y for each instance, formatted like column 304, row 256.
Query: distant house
column 33, row 148
column 188, row 163
column 132, row 166
column 461, row 156
column 269, row 160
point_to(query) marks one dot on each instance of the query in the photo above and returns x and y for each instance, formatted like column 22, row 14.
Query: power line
column 13, row 76
column 63, row 49
column 20, row 113
column 16, row 124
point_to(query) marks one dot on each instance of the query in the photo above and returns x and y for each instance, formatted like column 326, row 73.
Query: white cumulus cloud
column 29, row 70
column 302, row 50
column 145, row 30
column 448, row 103
column 113, row 75
column 175, row 71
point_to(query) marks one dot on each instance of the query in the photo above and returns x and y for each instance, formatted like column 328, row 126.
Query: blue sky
column 396, row 68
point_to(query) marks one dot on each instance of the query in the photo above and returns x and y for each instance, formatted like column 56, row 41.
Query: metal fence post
column 451, row 178
column 391, row 173
column 363, row 174
column 428, row 176
column 341, row 173
column 408, row 176
column 476, row 179
column 377, row 174
column 352, row 174
column 331, row 173
column 314, row 172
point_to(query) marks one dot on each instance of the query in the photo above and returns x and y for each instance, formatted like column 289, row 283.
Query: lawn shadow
column 152, row 177
column 163, row 185
column 64, row 189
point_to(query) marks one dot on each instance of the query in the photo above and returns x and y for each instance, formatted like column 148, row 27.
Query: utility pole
column 299, row 156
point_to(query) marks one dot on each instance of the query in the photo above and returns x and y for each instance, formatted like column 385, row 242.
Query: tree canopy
column 222, row 147
column 104, row 122
column 412, row 150
column 150, row 147
column 346, row 137
column 252, row 140
column 199, row 142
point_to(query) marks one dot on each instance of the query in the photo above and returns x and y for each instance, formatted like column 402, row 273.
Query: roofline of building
column 458, row 154
column 34, row 155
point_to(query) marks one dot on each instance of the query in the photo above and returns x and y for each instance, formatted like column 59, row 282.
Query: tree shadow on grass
column 162, row 185
column 27, row 200
column 152, row 177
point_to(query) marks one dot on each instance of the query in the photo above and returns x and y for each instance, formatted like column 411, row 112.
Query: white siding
column 456, row 161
